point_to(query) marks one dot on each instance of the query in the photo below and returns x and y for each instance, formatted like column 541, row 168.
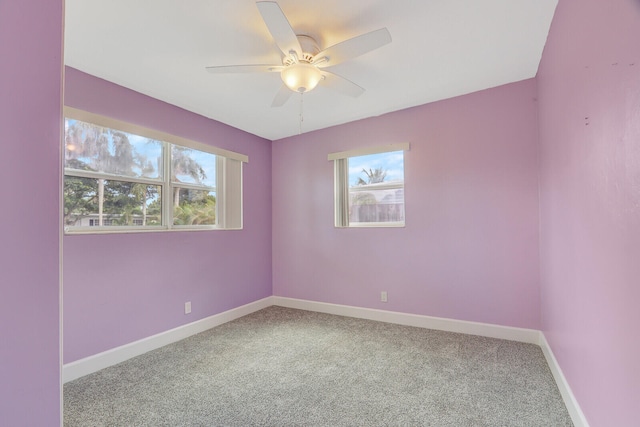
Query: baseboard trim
column 530, row 336
column 91, row 364
column 577, row 416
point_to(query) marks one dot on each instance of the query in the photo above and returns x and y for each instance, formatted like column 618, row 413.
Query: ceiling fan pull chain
column 301, row 112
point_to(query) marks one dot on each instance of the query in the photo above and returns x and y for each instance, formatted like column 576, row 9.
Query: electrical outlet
column 383, row 296
column 187, row 307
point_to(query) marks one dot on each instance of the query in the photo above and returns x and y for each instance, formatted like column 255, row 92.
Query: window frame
column 226, row 184
column 342, row 189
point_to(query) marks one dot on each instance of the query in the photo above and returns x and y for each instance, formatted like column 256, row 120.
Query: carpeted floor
column 285, row 367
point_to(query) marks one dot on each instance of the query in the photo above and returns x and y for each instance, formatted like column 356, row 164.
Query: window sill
column 131, row 230
column 375, row 225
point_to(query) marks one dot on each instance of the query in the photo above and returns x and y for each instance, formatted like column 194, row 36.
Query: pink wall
column 470, row 247
column 589, row 89
column 30, row 106
column 119, row 288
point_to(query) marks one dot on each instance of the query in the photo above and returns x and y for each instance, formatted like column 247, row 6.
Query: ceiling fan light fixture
column 303, row 62
column 301, row 77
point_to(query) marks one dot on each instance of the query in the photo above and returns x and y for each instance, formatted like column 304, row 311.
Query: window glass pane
column 100, row 149
column 123, row 203
column 375, row 168
column 193, row 166
column 194, row 207
column 376, row 188
column 376, row 205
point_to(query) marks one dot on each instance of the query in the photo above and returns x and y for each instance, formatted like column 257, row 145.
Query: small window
column 121, row 177
column 369, row 187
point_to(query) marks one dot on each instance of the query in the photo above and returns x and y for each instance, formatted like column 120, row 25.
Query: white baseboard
column 530, row 336
column 577, row 416
column 88, row 365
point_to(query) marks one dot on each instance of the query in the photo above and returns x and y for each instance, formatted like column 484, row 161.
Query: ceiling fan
column 304, row 64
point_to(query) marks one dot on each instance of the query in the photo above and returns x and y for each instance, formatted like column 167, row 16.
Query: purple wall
column 120, row 288
column 471, row 253
column 589, row 88
column 470, row 247
column 30, row 108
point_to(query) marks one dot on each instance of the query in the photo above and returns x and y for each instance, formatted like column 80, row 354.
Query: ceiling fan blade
column 340, row 84
column 279, row 27
column 352, row 48
column 259, row 68
column 282, row 96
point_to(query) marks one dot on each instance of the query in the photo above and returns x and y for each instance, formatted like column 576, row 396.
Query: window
column 122, row 177
column 369, row 186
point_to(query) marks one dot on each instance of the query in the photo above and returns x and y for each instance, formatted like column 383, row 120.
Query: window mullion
column 167, row 198
column 221, row 217
column 111, row 177
column 370, row 187
column 192, row 186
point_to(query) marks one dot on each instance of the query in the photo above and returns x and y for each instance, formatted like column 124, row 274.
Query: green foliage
column 195, row 208
column 80, row 198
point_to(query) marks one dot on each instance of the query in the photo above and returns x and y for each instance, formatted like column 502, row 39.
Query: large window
column 122, row 177
column 369, row 187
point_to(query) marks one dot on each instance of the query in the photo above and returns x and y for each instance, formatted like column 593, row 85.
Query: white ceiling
column 440, row 49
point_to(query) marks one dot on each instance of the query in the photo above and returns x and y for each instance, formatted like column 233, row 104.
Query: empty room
column 331, row 213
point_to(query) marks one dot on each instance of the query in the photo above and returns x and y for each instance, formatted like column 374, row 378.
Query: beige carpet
column 285, row 367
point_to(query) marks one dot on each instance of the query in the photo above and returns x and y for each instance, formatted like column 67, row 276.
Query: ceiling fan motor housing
column 299, row 74
column 309, row 50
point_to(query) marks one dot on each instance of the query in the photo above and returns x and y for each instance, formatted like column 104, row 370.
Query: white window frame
column 228, row 187
column 341, row 184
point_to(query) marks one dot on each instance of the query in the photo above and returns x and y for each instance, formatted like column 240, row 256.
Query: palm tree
column 91, row 143
column 144, row 192
column 199, row 209
column 183, row 164
column 86, row 140
column 374, row 176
